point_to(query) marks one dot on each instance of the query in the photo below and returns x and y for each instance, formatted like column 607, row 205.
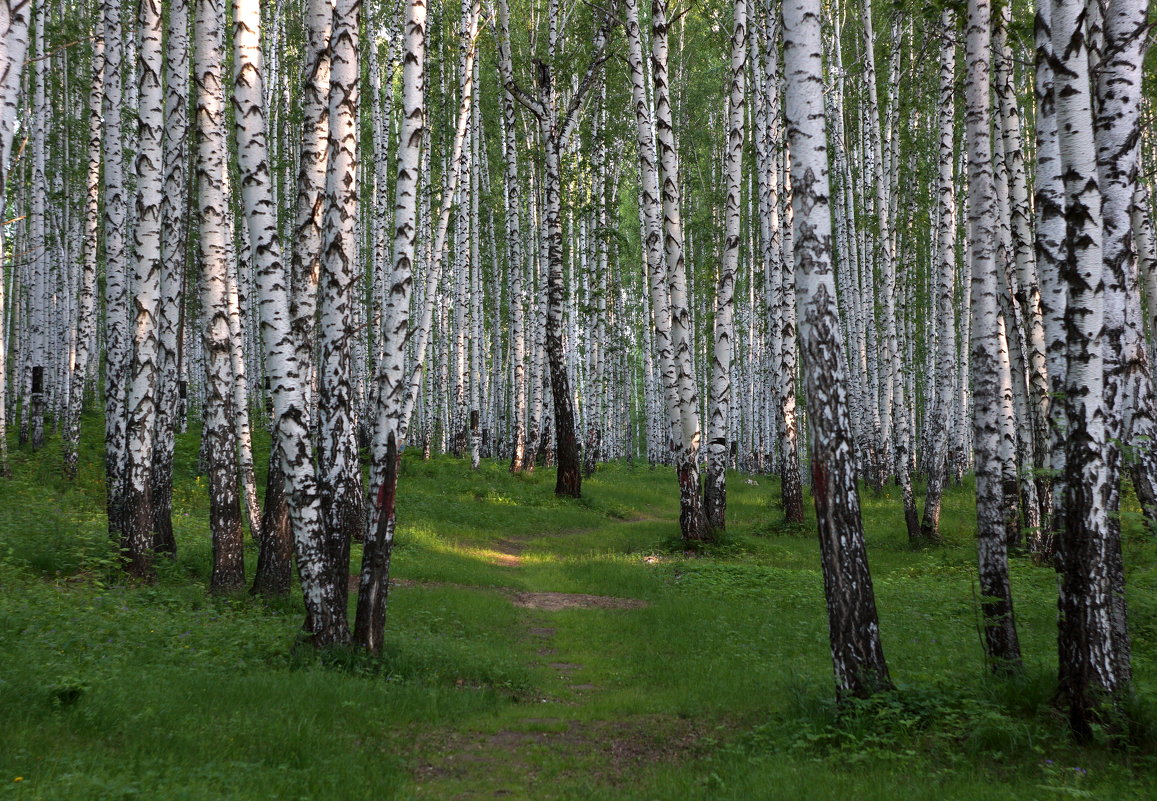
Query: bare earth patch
column 509, row 761
column 508, row 553
column 556, row 601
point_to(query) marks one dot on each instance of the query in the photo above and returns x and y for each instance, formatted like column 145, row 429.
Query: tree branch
column 506, row 64
column 600, row 57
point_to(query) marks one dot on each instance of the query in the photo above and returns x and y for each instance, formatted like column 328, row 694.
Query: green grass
column 719, row 688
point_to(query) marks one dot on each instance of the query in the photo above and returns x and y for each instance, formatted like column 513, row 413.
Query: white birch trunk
column 340, row 476
column 212, row 209
column 86, row 301
column 715, row 495
column 1001, row 645
column 857, row 655
column 174, row 240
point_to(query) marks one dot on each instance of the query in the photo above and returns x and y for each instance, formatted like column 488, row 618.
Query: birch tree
column 219, row 448
column 715, row 496
column 115, row 275
column 373, row 585
column 1090, row 665
column 137, row 540
column 1000, row 638
column 945, row 277
column 857, row 655
column 556, row 127
column 14, row 16
column 174, row 241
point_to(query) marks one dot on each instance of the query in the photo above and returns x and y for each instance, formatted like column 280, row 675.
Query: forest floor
column 537, row 648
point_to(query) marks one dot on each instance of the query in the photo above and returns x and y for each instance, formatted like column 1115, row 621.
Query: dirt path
column 519, row 757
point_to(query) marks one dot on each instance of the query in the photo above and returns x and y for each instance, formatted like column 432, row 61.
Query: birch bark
column 715, row 495
column 857, row 655
column 219, row 434
column 1001, row 645
column 174, row 241
column 392, row 384
column 86, row 303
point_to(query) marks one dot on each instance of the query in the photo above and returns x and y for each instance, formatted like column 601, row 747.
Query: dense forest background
column 573, row 318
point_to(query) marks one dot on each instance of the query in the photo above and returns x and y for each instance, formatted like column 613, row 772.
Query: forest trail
column 563, row 734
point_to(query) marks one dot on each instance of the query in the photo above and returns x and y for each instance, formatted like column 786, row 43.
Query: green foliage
column 114, row 691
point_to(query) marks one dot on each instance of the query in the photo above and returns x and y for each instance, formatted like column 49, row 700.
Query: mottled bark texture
column 219, row 438
column 715, row 495
column 857, row 655
column 1001, row 644
column 373, row 584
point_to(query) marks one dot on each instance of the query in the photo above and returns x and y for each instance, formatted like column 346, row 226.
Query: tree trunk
column 175, row 232
column 715, row 497
column 219, row 435
column 857, row 655
column 116, row 277
column 340, row 478
column 945, row 280
column 86, row 304
column 1001, row 645
column 373, row 587
column 692, row 522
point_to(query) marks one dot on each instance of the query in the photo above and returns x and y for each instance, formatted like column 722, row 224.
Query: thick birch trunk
column 340, row 478
column 857, row 655
column 137, row 539
column 1118, row 132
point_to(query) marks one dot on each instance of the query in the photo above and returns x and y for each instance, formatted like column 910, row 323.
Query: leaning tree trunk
column 857, row 655
column 1000, row 637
